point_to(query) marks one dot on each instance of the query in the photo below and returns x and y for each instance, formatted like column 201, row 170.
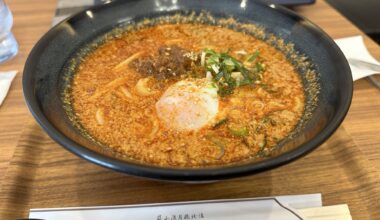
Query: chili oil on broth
column 249, row 122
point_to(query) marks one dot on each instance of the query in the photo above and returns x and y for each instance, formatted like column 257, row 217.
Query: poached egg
column 188, row 105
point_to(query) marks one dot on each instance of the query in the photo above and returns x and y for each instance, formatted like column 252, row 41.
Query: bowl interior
column 43, row 79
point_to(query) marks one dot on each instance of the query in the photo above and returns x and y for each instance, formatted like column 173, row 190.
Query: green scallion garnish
column 229, row 73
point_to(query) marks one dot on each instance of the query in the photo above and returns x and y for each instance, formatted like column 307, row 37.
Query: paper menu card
column 269, row 208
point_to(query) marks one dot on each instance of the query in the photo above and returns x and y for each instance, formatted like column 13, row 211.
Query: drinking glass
column 8, row 43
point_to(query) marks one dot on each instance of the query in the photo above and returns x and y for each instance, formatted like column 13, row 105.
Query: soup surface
column 187, row 95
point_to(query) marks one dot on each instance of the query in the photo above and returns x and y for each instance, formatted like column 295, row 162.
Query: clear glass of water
column 8, row 43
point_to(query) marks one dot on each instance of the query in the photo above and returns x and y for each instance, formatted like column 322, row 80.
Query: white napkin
column 354, row 48
column 281, row 207
column 6, row 79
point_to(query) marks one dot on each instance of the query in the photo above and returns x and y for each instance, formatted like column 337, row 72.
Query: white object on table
column 354, row 48
column 269, row 208
column 6, row 79
column 335, row 212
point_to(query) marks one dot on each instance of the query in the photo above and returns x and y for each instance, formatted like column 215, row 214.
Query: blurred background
column 365, row 14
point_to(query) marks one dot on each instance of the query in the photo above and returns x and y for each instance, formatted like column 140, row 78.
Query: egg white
column 188, row 105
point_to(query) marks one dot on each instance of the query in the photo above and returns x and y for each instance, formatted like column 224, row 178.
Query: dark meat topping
column 172, row 61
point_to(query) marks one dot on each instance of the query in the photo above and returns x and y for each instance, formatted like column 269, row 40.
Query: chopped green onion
column 208, row 76
column 217, row 142
column 259, row 67
column 239, row 132
column 215, row 68
column 229, row 62
column 220, row 123
column 203, row 58
column 253, row 56
column 227, row 72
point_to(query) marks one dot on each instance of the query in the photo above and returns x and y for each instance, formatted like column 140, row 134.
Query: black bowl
column 42, row 80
